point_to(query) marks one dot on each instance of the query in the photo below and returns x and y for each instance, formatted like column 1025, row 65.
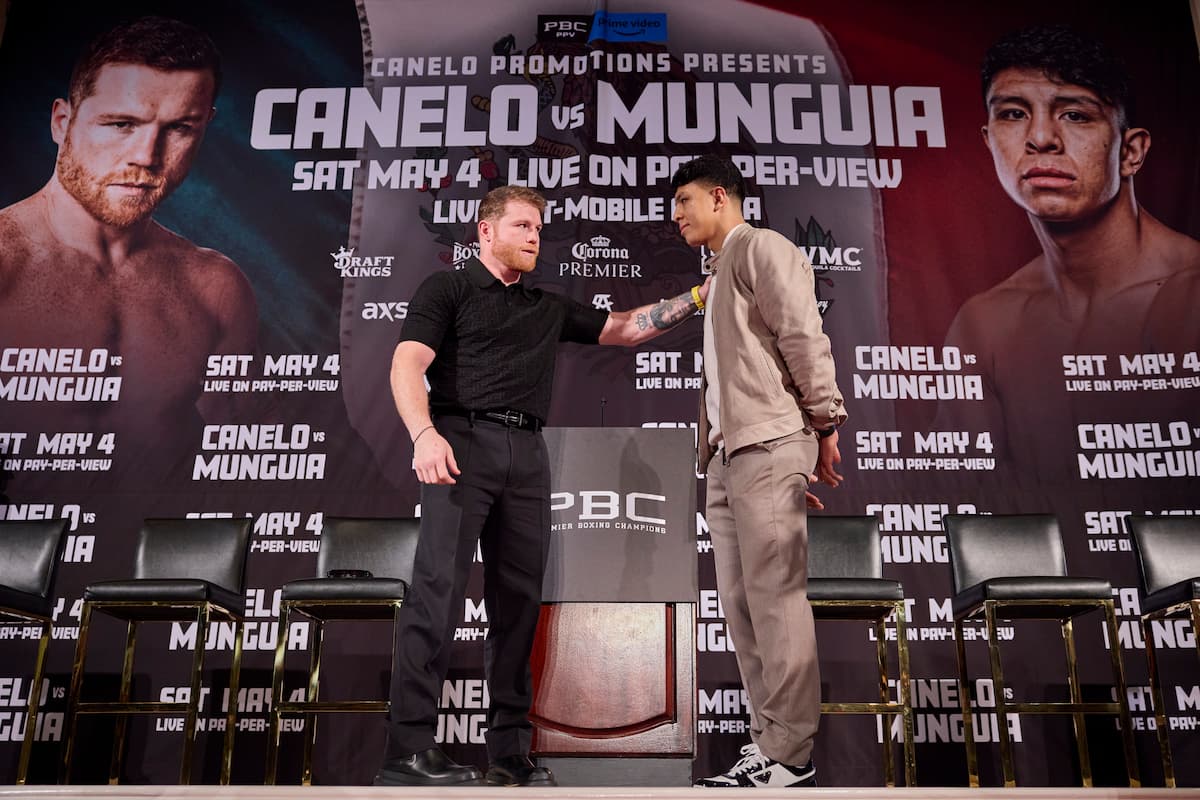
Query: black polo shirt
column 495, row 344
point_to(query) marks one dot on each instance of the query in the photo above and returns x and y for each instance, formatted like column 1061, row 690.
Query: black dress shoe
column 518, row 771
column 427, row 768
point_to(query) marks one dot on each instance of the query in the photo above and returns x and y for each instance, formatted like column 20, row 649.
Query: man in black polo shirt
column 487, row 345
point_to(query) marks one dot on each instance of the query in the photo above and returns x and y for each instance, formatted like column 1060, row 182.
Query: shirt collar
column 480, row 275
column 483, row 278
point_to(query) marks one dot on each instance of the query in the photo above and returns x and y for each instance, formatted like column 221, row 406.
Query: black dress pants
column 502, row 501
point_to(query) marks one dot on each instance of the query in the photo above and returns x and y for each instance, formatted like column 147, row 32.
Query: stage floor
column 576, row 793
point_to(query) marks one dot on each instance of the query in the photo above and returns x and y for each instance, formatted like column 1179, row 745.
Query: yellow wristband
column 696, row 298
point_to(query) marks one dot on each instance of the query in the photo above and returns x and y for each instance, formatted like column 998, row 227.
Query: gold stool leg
column 35, row 693
column 277, row 694
column 193, row 709
column 85, row 621
column 889, row 766
column 310, row 719
column 904, row 692
column 235, row 673
column 1114, row 652
column 964, row 696
column 993, row 640
column 1160, row 713
column 1081, row 742
column 118, row 750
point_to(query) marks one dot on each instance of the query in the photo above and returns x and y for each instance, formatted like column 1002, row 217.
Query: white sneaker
column 752, row 761
column 756, row 770
column 778, row 775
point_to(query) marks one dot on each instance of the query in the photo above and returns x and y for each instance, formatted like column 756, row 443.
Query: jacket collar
column 735, row 233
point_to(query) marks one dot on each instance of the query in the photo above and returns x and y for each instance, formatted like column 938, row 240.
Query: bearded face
column 127, row 145
column 517, row 237
column 120, row 198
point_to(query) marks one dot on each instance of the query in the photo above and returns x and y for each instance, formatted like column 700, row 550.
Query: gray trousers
column 758, row 523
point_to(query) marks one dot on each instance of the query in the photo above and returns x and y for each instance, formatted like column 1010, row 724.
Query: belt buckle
column 514, row 419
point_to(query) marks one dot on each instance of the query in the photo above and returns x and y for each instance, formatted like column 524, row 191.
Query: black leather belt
column 499, row 416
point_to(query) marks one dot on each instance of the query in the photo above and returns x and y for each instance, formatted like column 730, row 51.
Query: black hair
column 1064, row 55
column 157, row 42
column 712, row 170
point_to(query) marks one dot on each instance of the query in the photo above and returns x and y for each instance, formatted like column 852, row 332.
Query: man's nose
column 145, row 147
column 1043, row 135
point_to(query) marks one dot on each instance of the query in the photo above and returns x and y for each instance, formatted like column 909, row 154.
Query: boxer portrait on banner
column 769, row 412
column 83, row 263
column 1110, row 279
column 486, row 344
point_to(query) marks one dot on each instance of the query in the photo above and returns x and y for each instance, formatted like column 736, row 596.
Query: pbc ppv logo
column 597, row 258
column 389, row 312
column 352, row 266
column 464, row 253
column 564, row 28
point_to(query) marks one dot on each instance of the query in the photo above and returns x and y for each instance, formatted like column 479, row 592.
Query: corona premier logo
column 597, row 258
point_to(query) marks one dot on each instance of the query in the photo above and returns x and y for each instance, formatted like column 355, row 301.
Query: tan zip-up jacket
column 775, row 366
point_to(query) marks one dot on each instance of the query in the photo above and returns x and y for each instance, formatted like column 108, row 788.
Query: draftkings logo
column 463, row 253
column 349, row 265
column 599, row 258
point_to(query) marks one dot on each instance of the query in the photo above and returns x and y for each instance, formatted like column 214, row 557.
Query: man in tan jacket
column 769, row 412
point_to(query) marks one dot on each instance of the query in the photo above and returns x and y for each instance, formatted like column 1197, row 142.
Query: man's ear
column 60, row 120
column 720, row 197
column 1135, row 144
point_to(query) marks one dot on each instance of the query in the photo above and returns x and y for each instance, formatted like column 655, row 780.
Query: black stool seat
column 160, row 590
column 26, row 602
column 854, row 589
column 1182, row 592
column 1033, row 588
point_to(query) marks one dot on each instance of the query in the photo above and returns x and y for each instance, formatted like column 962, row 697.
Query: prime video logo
column 629, row 27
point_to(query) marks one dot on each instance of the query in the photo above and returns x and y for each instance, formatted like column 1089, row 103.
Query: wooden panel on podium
column 614, row 679
column 614, row 661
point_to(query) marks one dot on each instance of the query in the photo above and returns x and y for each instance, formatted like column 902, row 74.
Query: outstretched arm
column 644, row 323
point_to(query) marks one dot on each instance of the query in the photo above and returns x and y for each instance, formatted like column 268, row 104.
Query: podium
column 614, row 661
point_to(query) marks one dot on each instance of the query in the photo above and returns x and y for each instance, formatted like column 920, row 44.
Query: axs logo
column 391, row 312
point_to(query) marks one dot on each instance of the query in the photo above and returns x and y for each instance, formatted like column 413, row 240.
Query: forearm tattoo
column 670, row 313
column 642, row 322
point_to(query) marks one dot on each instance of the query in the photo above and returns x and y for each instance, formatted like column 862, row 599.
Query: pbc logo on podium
column 600, row 506
column 564, row 27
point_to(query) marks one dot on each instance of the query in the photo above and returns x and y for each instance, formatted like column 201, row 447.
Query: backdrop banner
column 999, row 351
